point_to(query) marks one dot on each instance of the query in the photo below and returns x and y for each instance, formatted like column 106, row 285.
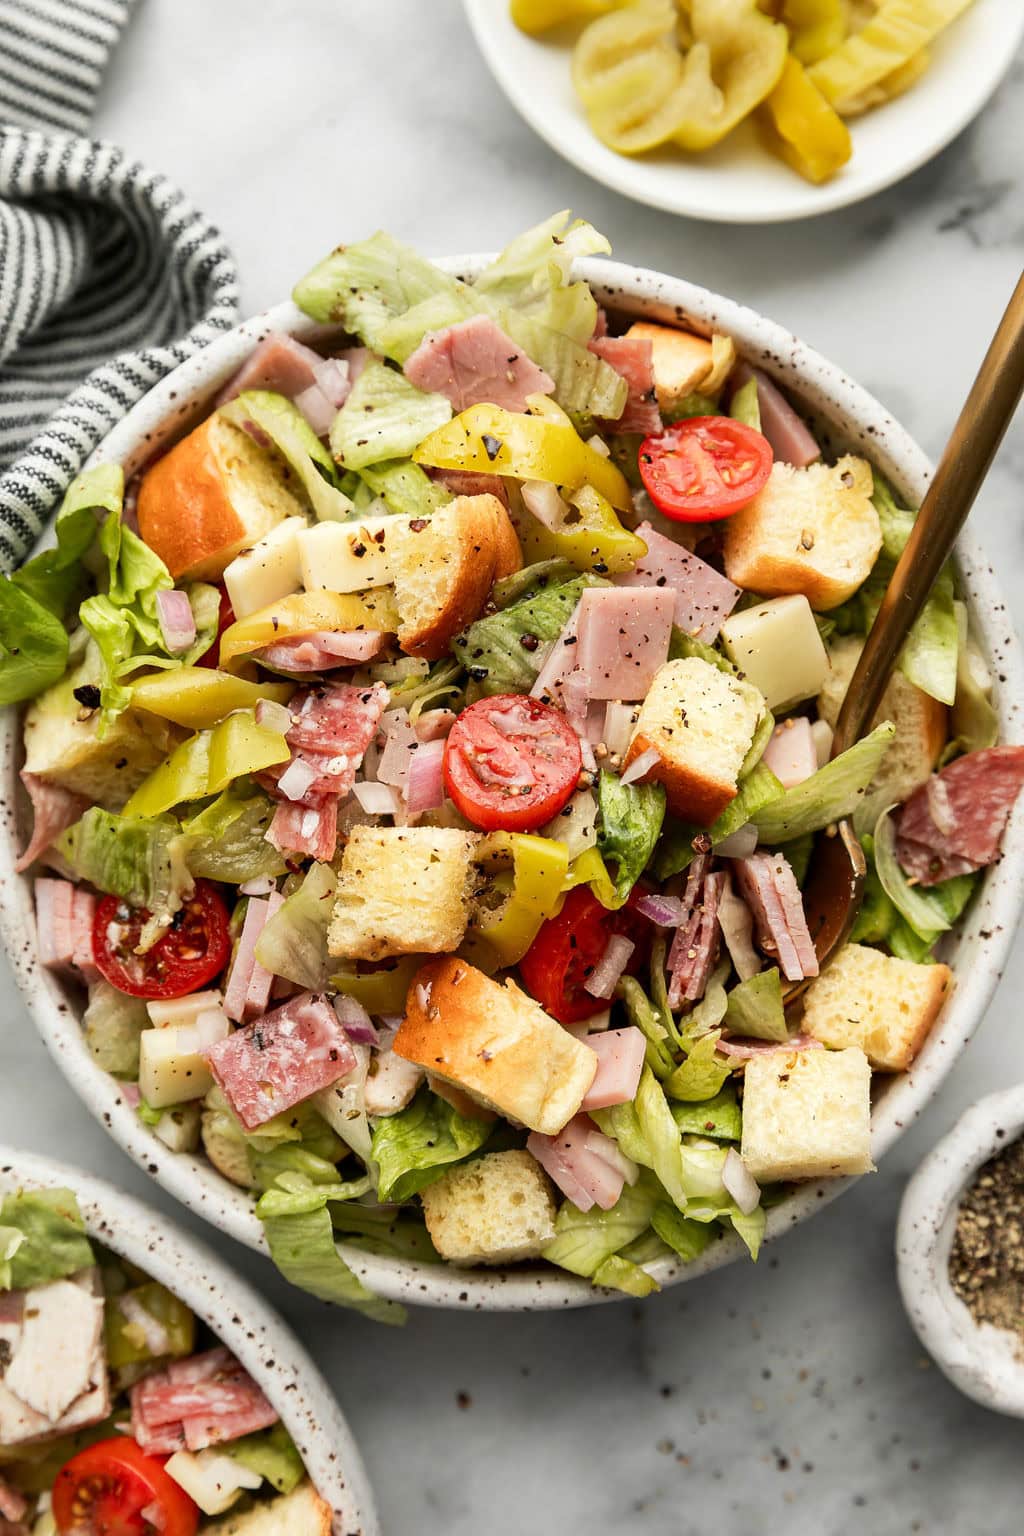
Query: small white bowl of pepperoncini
column 960, row 1252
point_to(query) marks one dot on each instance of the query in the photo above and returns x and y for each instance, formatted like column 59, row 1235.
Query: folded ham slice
column 207, row 1400
column 620, row 1061
column 279, row 363
column 248, row 990
column 475, row 361
column 64, row 918
column 704, row 598
column 742, row 1049
column 633, row 358
column 791, row 753
column 322, row 650
column 281, row 1059
column 954, row 824
column 586, row 1165
column 791, row 440
column 54, row 809
column 769, row 887
column 13, row 1504
column 624, row 636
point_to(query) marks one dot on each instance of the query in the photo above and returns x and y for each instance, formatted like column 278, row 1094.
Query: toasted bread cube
column 777, row 647
column 701, row 722
column 497, row 1209
column 921, row 724
column 299, row 1513
column 684, row 363
column 885, row 1005
column 215, row 494
column 812, row 530
column 496, row 1043
column 402, row 891
column 444, row 567
column 807, row 1114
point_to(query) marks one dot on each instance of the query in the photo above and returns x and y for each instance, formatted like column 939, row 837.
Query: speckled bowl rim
column 845, row 416
column 243, row 1321
column 977, row 1358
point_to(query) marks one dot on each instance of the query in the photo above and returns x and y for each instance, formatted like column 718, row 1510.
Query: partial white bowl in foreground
column 981, row 1360
column 254, row 1333
column 739, row 182
column 846, row 418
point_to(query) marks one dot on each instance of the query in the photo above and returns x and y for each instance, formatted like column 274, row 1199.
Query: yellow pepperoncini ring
column 798, row 124
column 207, row 763
column 384, row 990
column 500, row 442
column 305, row 612
column 889, row 41
column 197, row 697
column 590, row 869
column 536, row 16
column 125, row 1341
column 594, row 542
column 532, row 872
column 817, row 27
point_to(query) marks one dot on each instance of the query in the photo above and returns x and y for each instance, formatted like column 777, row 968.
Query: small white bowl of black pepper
column 960, row 1252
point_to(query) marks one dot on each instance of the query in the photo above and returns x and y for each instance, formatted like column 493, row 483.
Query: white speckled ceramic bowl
column 982, row 1361
column 846, row 417
column 255, row 1334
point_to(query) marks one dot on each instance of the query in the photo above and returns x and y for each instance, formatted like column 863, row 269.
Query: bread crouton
column 684, row 363
column 444, row 567
column 921, row 724
column 812, row 530
column 701, row 722
column 299, row 1513
column 216, row 493
column 496, row 1043
column 885, row 1005
column 497, row 1209
column 402, row 891
column 807, row 1114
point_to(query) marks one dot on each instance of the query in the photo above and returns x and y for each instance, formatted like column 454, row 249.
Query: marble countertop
column 791, row 1393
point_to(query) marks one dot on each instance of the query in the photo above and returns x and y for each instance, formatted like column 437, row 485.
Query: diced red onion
column 742, row 1048
column 604, row 978
column 665, row 911
column 276, row 717
column 317, row 409
column 297, row 778
column 739, row 844
column 332, row 377
column 377, row 799
column 262, row 885
column 639, row 766
column 131, row 1093
column 355, row 1020
column 177, row 621
column 740, row 1182
column 619, row 720
column 542, row 499
column 424, row 790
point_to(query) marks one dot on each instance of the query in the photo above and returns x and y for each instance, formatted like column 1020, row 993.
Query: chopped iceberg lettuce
column 138, row 859
column 404, row 487
column 830, row 794
column 293, row 943
column 755, row 1007
column 719, row 1117
column 630, row 822
column 584, row 1240
column 53, row 1238
column 928, row 911
column 278, row 419
column 492, row 649
column 271, row 1453
column 641, row 1013
column 112, row 1024
column 701, row 1076
column 384, row 417
column 416, row 1146
column 758, row 790
column 687, row 1238
column 227, row 839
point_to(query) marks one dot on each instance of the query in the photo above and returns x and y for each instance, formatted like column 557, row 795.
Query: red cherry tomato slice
column 557, row 964
column 104, row 1490
column 511, row 763
column 192, row 952
column 704, row 468
column 225, row 619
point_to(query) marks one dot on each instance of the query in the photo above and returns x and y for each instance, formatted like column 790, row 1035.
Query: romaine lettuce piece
column 289, row 431
column 140, row 860
column 540, row 260
column 390, row 1233
column 640, row 1012
column 112, row 1024
column 384, row 417
column 719, row 1117
column 301, row 1244
column 294, row 941
column 404, row 487
column 272, row 1453
column 54, row 1242
column 755, row 1007
column 828, row 795
column 415, row 1147
column 630, row 823
column 688, row 1238
column 584, row 1240
column 227, row 840
column 492, row 649
column 701, row 1075
column 56, row 577
column 620, row 1274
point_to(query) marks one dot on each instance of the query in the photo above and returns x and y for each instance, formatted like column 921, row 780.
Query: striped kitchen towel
column 109, row 277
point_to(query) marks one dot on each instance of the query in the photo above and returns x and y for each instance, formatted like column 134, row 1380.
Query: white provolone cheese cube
column 346, row 557
column 268, row 571
column 210, row 1478
column 172, row 1069
column 777, row 647
column 183, row 1010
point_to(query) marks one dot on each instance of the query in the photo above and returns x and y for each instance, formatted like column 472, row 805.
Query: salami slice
column 695, row 949
column 218, row 1427
column 306, row 829
column 333, row 727
column 281, row 1059
column 54, row 810
column 955, row 823
column 206, row 1400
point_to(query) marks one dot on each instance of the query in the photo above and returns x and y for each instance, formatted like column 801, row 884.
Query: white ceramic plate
column 846, row 417
column 738, row 182
column 254, row 1333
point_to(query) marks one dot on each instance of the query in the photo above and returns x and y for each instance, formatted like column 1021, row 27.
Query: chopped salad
column 426, row 753
column 118, row 1412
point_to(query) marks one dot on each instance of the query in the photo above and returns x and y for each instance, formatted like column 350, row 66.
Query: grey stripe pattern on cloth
column 109, row 276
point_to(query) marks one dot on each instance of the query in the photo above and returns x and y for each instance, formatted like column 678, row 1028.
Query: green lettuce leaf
column 748, row 1225
column 929, row 911
column 647, row 1133
column 384, row 417
column 702, row 1075
column 755, row 1007
column 112, row 1024
column 745, row 405
column 404, row 487
column 272, row 1453
column 719, row 1118
column 828, row 795
column 415, row 1147
column 301, row 1244
column 619, row 1274
column 630, row 823
column 56, row 577
column 137, row 858
column 584, row 1240
column 492, row 649
column 974, row 724
column 683, row 647
column 760, row 789
column 687, row 1238
column 33, row 645
column 54, row 1242
column 294, row 941
column 387, row 1232
column 641, row 1013
column 289, row 431
column 123, row 620
column 877, row 915
column 227, row 840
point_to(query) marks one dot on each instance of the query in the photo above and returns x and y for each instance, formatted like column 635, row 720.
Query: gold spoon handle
column 987, row 412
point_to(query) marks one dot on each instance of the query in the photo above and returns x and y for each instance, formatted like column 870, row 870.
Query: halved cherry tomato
column 704, row 468
column 557, row 964
column 103, row 1491
column 225, row 619
column 192, row 952
column 511, row 763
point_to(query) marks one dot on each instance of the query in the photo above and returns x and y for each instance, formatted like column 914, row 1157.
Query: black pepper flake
column 88, row 695
column 492, row 446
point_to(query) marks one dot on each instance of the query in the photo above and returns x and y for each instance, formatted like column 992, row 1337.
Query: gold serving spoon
column 835, row 883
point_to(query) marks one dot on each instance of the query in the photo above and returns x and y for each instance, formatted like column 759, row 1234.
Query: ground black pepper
column 986, row 1262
